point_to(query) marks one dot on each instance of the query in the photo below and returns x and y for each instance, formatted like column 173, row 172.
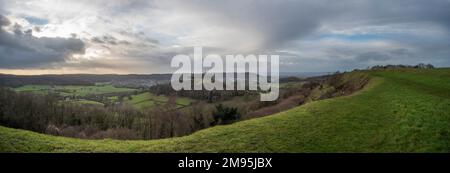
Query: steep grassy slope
column 399, row 111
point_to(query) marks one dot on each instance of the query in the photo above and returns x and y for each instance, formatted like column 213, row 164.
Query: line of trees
column 390, row 66
column 212, row 96
column 47, row 114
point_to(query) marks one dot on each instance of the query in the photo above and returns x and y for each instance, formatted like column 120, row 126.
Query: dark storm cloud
column 20, row 49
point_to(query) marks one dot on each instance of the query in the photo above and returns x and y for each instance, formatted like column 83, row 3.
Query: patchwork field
column 141, row 100
column 398, row 111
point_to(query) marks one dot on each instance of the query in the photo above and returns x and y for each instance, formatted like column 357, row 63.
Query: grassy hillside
column 398, row 111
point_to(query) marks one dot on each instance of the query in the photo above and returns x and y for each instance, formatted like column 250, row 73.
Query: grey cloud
column 4, row 21
column 372, row 56
column 140, row 36
column 279, row 26
column 89, row 64
column 108, row 39
column 394, row 56
column 280, row 22
column 387, row 11
column 37, row 29
column 276, row 21
column 21, row 49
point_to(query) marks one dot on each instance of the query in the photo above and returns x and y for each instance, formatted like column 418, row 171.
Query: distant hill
column 74, row 79
column 400, row 110
column 303, row 74
column 129, row 80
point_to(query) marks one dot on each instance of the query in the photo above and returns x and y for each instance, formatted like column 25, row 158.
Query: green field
column 146, row 100
column 73, row 90
column 398, row 111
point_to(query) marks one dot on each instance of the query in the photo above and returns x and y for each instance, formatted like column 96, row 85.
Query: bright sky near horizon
column 141, row 36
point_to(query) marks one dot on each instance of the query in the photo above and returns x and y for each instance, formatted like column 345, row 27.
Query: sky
column 137, row 36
